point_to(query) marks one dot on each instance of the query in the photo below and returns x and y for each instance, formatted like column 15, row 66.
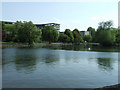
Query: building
column 56, row 26
column 7, row 22
column 40, row 26
column 83, row 33
column 118, row 27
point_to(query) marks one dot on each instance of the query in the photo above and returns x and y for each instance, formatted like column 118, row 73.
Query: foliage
column 64, row 38
column 88, row 38
column 77, row 36
column 18, row 25
column 104, row 34
column 11, row 32
column 69, row 33
column 27, row 32
column 105, row 25
column 92, row 30
column 2, row 25
column 49, row 33
column 118, row 37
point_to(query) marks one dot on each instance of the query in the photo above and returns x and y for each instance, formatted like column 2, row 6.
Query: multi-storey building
column 118, row 27
column 83, row 33
column 7, row 22
column 40, row 26
column 56, row 26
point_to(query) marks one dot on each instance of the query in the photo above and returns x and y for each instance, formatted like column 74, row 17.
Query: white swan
column 88, row 48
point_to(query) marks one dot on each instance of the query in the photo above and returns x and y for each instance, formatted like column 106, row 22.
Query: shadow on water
column 85, row 48
column 49, row 58
column 105, row 64
column 25, row 61
column 91, row 48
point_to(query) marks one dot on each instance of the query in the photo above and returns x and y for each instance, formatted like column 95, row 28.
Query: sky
column 69, row 15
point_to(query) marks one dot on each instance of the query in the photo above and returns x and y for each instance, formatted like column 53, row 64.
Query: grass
column 15, row 44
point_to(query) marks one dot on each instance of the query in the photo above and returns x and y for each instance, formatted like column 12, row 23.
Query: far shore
column 13, row 44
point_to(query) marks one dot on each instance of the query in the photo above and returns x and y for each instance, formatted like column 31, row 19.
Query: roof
column 8, row 21
column 34, row 23
column 48, row 23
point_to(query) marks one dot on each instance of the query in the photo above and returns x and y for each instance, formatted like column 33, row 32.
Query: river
column 59, row 67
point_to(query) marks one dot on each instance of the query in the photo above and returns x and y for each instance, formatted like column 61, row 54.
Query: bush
column 64, row 38
column 88, row 38
column 49, row 34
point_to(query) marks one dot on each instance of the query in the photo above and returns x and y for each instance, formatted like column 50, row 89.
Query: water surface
column 63, row 67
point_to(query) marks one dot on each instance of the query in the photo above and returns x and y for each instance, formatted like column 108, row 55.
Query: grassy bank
column 13, row 44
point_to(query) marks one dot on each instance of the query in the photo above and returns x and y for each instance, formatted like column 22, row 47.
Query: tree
column 18, row 25
column 69, row 33
column 3, row 33
column 11, row 32
column 118, row 37
column 64, row 38
column 2, row 25
column 50, row 34
column 77, row 36
column 104, row 34
column 28, row 33
column 92, row 30
column 88, row 38
column 105, row 25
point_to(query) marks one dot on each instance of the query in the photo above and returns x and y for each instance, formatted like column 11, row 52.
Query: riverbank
column 12, row 44
column 112, row 87
column 36, row 44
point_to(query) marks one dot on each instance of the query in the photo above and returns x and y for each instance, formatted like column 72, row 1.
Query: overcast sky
column 69, row 15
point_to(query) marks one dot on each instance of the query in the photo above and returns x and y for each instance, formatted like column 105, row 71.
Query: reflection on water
column 105, row 63
column 76, row 47
column 86, row 48
column 49, row 58
column 26, row 62
column 65, row 66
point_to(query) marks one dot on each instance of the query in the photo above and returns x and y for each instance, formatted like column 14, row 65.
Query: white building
column 83, row 33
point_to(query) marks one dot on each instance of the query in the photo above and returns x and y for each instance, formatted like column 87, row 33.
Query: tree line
column 27, row 32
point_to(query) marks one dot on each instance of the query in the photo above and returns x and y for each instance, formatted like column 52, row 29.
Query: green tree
column 64, row 38
column 118, row 37
column 77, row 36
column 105, row 25
column 92, row 30
column 88, row 38
column 69, row 33
column 11, row 32
column 2, row 25
column 39, row 39
column 50, row 34
column 18, row 25
column 2, row 31
column 28, row 33
column 104, row 34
